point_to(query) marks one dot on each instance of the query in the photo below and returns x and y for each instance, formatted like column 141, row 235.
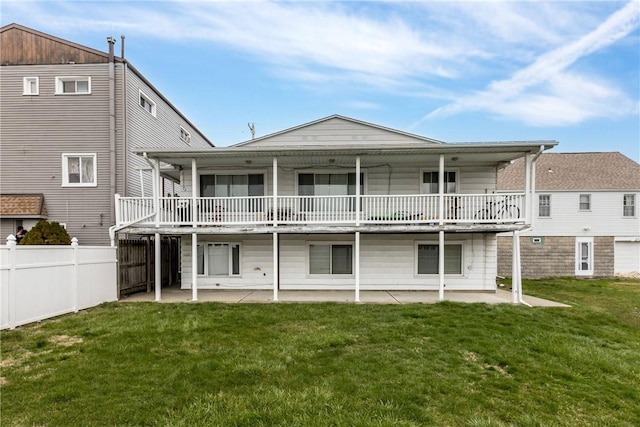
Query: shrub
column 46, row 233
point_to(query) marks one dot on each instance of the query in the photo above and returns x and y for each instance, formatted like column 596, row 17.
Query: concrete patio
column 172, row 295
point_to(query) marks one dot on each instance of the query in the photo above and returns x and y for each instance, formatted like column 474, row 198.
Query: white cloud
column 504, row 95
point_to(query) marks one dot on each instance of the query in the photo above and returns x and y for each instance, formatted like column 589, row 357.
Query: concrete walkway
column 170, row 295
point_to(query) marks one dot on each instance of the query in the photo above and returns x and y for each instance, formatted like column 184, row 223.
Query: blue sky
column 454, row 71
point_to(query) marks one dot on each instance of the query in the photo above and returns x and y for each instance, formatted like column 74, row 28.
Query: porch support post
column 156, row 191
column 158, row 265
column 357, row 193
column 194, row 266
column 276, row 256
column 357, row 267
column 194, row 193
column 515, row 267
column 441, row 265
column 441, row 189
column 275, row 195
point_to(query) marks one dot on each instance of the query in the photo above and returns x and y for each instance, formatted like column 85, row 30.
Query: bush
column 46, row 233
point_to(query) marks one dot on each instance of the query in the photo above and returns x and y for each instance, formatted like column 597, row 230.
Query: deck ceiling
column 296, row 156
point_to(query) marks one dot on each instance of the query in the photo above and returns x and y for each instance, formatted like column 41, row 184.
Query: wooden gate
column 136, row 260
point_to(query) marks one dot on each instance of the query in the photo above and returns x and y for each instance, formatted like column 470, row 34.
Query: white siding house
column 336, row 204
column 585, row 216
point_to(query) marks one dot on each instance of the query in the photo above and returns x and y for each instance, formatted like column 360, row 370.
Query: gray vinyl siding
column 37, row 130
column 145, row 130
column 336, row 132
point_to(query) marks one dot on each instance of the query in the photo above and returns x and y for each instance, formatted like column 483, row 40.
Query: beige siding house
column 336, row 204
column 70, row 116
column 586, row 221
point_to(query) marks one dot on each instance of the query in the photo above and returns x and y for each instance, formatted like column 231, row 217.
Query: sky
column 477, row 71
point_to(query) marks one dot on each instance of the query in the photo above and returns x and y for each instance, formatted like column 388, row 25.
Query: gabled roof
column 25, row 46
column 575, row 172
column 22, row 206
column 336, row 118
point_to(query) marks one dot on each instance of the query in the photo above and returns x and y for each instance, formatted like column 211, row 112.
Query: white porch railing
column 336, row 210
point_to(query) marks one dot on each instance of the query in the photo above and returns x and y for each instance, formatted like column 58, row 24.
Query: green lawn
column 446, row 364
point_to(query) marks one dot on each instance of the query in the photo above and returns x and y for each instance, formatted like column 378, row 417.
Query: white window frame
column 65, row 170
column 540, row 196
column 60, row 80
column 456, row 171
column 435, row 243
column 185, row 135
column 207, row 245
column 26, row 86
column 332, row 171
column 580, row 257
column 152, row 104
column 588, row 202
column 331, row 244
column 633, row 206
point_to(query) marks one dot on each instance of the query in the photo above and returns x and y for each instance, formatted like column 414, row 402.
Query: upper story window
column 585, row 202
column 73, row 85
column 185, row 135
column 31, row 86
column 147, row 104
column 430, row 185
column 79, row 170
column 328, row 184
column 544, row 205
column 629, row 205
column 232, row 185
column 428, row 259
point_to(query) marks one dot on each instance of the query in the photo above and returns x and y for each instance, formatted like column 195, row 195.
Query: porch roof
column 461, row 153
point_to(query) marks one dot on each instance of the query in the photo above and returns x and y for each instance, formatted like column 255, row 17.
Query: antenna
column 252, row 128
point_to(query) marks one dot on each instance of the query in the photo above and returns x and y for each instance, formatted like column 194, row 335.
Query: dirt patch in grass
column 65, row 340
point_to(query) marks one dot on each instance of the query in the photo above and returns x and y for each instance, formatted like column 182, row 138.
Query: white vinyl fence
column 39, row 282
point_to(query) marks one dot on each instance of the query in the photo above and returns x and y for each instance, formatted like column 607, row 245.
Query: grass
column 446, row 364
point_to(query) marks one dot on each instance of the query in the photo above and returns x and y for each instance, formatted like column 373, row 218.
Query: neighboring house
column 337, row 204
column 70, row 116
column 586, row 221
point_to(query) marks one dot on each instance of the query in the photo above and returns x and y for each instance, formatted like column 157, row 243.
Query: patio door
column 584, row 256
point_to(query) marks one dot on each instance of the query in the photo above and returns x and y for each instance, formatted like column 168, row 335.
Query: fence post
column 11, row 242
column 74, row 245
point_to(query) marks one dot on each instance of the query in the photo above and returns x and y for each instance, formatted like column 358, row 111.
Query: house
column 70, row 116
column 337, row 203
column 586, row 221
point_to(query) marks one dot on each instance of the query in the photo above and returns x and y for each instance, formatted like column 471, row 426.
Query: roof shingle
column 574, row 172
column 23, row 206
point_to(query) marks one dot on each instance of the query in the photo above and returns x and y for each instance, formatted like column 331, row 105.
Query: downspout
column 517, row 267
column 126, row 155
column 112, row 131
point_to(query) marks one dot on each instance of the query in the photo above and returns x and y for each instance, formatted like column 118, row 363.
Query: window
column 184, row 135
column 147, row 104
column 325, row 258
column 430, row 182
column 31, row 86
column 232, row 185
column 327, row 184
column 219, row 259
column 428, row 259
column 629, row 205
column 544, row 205
column 585, row 202
column 79, row 170
column 73, row 85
